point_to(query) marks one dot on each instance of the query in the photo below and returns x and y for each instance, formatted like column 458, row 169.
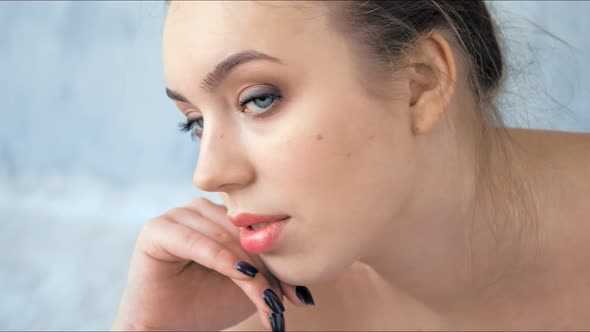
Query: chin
column 299, row 271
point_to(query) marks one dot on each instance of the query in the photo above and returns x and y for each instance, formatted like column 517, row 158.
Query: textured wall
column 83, row 92
column 89, row 148
column 549, row 79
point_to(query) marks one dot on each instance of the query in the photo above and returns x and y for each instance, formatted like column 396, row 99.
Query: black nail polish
column 304, row 295
column 272, row 301
column 281, row 322
column 277, row 322
column 247, row 269
column 273, row 322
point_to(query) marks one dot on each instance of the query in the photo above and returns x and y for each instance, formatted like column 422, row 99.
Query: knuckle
column 222, row 237
column 193, row 240
column 219, row 256
column 200, row 203
column 220, row 207
column 152, row 225
column 148, row 235
column 205, row 203
column 182, row 210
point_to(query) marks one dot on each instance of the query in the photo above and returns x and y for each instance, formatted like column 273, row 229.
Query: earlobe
column 431, row 83
column 425, row 120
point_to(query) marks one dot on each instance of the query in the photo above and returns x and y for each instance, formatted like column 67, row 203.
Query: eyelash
column 189, row 124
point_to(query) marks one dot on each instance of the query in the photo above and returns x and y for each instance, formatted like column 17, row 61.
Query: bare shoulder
column 573, row 144
column 561, row 163
column 557, row 154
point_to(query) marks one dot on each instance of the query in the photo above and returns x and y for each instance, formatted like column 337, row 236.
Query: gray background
column 89, row 148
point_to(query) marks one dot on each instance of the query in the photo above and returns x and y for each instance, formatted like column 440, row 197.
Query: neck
column 459, row 236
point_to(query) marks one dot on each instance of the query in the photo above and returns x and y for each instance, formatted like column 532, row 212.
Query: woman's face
column 337, row 159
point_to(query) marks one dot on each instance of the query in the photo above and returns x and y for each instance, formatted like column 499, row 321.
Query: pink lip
column 264, row 239
column 249, row 219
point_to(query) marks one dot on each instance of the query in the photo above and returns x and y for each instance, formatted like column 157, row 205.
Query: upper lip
column 248, row 219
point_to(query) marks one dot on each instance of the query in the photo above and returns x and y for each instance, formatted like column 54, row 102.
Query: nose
column 222, row 162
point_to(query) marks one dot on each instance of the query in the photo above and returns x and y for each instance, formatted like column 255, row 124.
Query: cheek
column 361, row 160
column 343, row 177
column 311, row 152
column 341, row 203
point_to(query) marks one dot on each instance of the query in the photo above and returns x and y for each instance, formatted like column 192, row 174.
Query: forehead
column 197, row 34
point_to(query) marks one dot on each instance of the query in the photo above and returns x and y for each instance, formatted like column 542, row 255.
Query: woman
column 365, row 139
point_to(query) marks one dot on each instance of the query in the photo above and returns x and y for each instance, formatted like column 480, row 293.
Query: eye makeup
column 196, row 125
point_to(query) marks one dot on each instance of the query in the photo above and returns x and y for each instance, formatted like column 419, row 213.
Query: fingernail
column 277, row 322
column 304, row 295
column 272, row 301
column 247, row 269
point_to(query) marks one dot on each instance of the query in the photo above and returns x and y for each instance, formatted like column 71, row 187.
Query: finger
column 218, row 214
column 265, row 297
column 298, row 295
column 201, row 223
column 257, row 289
column 169, row 241
column 215, row 212
column 196, row 221
column 277, row 322
column 253, row 288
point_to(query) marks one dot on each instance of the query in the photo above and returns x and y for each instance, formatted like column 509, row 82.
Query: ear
column 432, row 82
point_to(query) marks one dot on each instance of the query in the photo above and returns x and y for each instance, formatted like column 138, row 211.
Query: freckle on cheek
column 348, row 155
column 319, row 137
column 371, row 137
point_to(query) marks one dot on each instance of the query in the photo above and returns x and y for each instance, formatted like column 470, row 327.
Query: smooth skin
column 379, row 187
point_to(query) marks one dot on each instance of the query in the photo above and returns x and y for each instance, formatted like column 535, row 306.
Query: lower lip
column 258, row 241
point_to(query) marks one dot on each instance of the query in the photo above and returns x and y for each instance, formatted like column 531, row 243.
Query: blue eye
column 264, row 101
column 189, row 126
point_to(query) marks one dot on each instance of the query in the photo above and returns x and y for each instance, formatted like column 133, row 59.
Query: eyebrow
column 221, row 71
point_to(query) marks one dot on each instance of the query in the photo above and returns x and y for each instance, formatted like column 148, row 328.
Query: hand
column 183, row 275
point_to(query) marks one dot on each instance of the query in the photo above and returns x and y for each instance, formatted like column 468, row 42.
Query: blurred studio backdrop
column 89, row 146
